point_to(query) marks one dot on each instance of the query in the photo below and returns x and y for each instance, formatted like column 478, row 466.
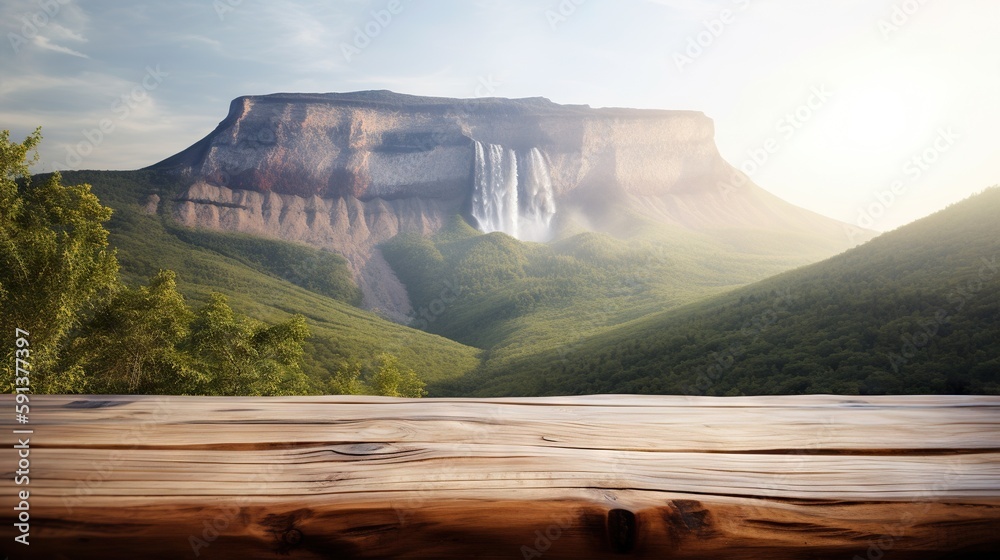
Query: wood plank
column 567, row 477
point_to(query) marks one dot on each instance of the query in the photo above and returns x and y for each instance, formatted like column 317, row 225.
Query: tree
column 346, row 380
column 131, row 345
column 147, row 340
column 391, row 381
column 241, row 356
column 55, row 262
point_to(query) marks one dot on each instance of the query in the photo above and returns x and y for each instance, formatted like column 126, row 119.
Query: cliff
column 349, row 171
column 385, row 145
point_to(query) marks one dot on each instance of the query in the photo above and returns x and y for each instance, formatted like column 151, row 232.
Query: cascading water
column 520, row 205
column 539, row 202
column 494, row 200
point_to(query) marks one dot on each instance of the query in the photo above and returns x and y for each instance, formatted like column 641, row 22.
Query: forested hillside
column 514, row 299
column 916, row 310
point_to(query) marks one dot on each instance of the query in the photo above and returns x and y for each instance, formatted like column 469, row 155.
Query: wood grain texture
column 614, row 476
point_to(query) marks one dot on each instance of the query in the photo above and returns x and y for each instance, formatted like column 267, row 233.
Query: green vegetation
column 385, row 377
column 146, row 340
column 132, row 344
column 516, row 300
column 394, row 381
column 322, row 272
column 90, row 333
column 916, row 310
column 54, row 256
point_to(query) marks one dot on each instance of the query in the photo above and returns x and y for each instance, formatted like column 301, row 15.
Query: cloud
column 61, row 32
column 45, row 43
column 28, row 84
column 47, row 26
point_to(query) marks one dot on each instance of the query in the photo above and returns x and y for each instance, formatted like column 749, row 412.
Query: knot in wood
column 292, row 537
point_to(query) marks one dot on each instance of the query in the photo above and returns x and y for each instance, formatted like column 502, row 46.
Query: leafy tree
column 147, row 340
column 391, row 380
column 346, row 380
column 387, row 379
column 246, row 357
column 132, row 344
column 54, row 256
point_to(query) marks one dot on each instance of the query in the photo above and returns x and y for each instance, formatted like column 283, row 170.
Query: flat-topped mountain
column 385, row 145
column 348, row 171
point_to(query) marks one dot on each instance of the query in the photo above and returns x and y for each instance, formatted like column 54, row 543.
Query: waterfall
column 539, row 202
column 518, row 204
column 494, row 199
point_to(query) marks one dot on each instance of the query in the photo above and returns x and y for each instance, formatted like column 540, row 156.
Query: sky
column 873, row 112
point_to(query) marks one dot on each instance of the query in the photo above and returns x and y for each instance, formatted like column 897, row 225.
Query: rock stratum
column 348, row 171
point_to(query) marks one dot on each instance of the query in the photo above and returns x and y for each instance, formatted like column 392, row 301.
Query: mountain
column 348, row 172
column 916, row 310
column 499, row 236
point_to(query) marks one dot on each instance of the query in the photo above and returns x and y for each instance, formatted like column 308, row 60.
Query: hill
column 514, row 299
column 916, row 310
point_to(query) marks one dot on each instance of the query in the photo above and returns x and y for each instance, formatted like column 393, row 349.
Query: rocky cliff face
column 384, row 145
column 350, row 171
